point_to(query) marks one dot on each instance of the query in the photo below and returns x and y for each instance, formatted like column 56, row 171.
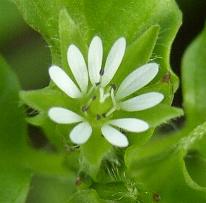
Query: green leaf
column 123, row 191
column 194, row 83
column 41, row 101
column 86, row 196
column 42, row 16
column 14, row 180
column 44, row 99
column 32, row 73
column 155, row 116
column 165, row 112
column 196, row 157
column 14, row 185
column 13, row 127
column 90, row 161
column 51, row 190
column 163, row 169
column 69, row 33
column 135, row 56
column 8, row 22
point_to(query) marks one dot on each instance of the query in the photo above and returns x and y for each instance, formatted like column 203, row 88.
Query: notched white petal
column 113, row 60
column 130, row 124
column 95, row 59
column 142, row 102
column 63, row 81
column 114, row 137
column 63, row 116
column 81, row 133
column 137, row 79
column 78, row 67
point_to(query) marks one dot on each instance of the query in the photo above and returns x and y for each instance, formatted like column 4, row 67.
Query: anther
column 156, row 197
column 113, row 98
column 101, row 72
column 113, row 86
column 113, row 109
column 98, row 117
column 71, row 148
column 101, row 93
column 94, row 97
column 122, row 131
column 97, row 83
column 85, row 108
column 78, row 181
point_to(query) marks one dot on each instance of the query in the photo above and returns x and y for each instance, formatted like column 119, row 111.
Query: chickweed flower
column 100, row 98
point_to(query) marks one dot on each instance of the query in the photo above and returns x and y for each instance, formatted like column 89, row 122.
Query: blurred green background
column 24, row 49
column 28, row 54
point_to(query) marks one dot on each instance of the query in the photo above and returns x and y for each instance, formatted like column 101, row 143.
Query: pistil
column 91, row 90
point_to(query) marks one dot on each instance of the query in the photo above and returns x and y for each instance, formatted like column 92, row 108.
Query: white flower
column 102, row 99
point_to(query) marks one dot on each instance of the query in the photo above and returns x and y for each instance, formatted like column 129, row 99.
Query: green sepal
column 137, row 53
column 93, row 152
column 69, row 33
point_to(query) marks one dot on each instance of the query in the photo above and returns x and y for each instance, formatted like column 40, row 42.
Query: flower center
column 100, row 102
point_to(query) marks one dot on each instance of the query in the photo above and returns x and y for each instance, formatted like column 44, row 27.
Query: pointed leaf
column 194, row 83
column 13, row 142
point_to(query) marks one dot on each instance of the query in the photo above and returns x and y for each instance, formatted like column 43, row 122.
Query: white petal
column 63, row 116
column 130, row 124
column 142, row 102
column 137, row 79
column 81, row 133
column 95, row 59
column 114, row 60
column 78, row 67
column 113, row 136
column 63, row 81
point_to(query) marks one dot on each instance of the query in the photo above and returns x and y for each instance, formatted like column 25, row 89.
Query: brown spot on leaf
column 78, row 181
column 156, row 197
column 166, row 78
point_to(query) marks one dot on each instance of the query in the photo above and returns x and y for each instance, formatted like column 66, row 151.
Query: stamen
column 78, row 181
column 98, row 83
column 103, row 96
column 85, row 108
column 122, row 131
column 98, row 117
column 113, row 109
column 94, row 97
column 106, row 96
column 91, row 90
column 113, row 98
column 101, row 72
column 113, row 86
column 101, row 92
column 90, row 101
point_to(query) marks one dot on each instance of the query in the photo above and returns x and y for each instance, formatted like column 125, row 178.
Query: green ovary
column 97, row 108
